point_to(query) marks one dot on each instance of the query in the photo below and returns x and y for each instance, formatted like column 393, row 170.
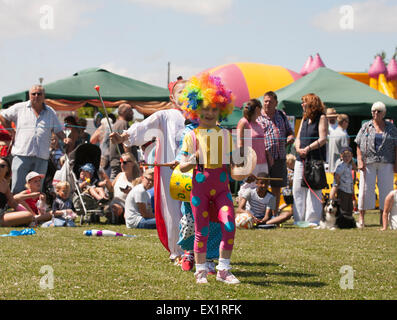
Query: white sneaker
column 360, row 225
column 201, row 276
column 227, row 277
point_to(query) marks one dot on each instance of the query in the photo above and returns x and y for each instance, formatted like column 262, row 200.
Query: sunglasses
column 3, row 165
column 150, row 180
column 122, row 161
column 376, row 111
column 36, row 93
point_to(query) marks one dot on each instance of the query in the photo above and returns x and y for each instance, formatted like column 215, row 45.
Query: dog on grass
column 333, row 218
column 330, row 213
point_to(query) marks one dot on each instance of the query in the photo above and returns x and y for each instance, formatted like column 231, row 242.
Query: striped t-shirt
column 257, row 205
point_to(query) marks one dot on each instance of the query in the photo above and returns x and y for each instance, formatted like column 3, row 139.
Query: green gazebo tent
column 335, row 90
column 78, row 90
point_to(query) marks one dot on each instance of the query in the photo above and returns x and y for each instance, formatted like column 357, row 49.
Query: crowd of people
column 197, row 231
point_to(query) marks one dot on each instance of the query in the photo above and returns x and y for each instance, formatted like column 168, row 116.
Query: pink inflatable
column 304, row 70
column 317, row 63
column 392, row 70
column 249, row 80
column 378, row 67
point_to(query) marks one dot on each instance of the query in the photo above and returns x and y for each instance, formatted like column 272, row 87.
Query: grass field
column 283, row 263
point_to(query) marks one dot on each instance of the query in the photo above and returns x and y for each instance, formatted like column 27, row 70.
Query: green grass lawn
column 283, row 263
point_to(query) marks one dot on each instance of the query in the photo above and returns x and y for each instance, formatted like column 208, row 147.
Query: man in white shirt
column 35, row 122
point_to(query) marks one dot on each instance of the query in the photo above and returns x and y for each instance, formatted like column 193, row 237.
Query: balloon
column 251, row 80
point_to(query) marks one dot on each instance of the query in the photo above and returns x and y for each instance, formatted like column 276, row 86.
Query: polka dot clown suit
column 212, row 185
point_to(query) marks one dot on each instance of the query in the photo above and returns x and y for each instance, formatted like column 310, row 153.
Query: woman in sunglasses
column 10, row 218
column 122, row 185
column 376, row 160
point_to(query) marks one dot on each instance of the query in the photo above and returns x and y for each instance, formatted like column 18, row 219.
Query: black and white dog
column 332, row 217
column 330, row 213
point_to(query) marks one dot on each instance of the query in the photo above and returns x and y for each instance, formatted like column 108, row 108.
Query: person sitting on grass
column 260, row 203
column 122, row 185
column 138, row 211
column 21, row 215
column 62, row 208
column 389, row 215
column 30, row 198
column 88, row 184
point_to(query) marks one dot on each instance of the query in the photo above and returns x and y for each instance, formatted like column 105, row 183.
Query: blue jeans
column 59, row 222
column 21, row 166
column 151, row 192
column 147, row 223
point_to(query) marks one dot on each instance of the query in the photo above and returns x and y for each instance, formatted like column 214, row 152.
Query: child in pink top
column 207, row 101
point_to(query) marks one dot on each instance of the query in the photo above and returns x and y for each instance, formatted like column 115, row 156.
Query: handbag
column 314, row 174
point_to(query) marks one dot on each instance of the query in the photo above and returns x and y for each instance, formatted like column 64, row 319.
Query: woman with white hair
column 376, row 159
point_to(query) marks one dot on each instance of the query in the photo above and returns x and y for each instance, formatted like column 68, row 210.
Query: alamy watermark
column 346, row 21
column 47, row 281
column 47, row 17
column 347, row 279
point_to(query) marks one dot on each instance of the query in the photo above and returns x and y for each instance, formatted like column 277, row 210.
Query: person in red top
column 32, row 195
column 5, row 142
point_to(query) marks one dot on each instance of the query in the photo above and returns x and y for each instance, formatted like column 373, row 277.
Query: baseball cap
column 33, row 174
column 89, row 167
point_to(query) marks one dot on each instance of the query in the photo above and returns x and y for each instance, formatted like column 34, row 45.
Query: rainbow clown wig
column 206, row 90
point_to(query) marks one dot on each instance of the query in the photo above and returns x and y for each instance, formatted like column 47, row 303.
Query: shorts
column 278, row 170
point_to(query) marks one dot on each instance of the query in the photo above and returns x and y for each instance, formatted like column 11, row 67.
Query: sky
column 54, row 39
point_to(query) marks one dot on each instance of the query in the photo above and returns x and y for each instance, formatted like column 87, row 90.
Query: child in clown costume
column 207, row 150
column 186, row 239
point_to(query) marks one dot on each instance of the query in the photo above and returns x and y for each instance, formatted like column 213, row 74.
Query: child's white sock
column 201, row 267
column 223, row 264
